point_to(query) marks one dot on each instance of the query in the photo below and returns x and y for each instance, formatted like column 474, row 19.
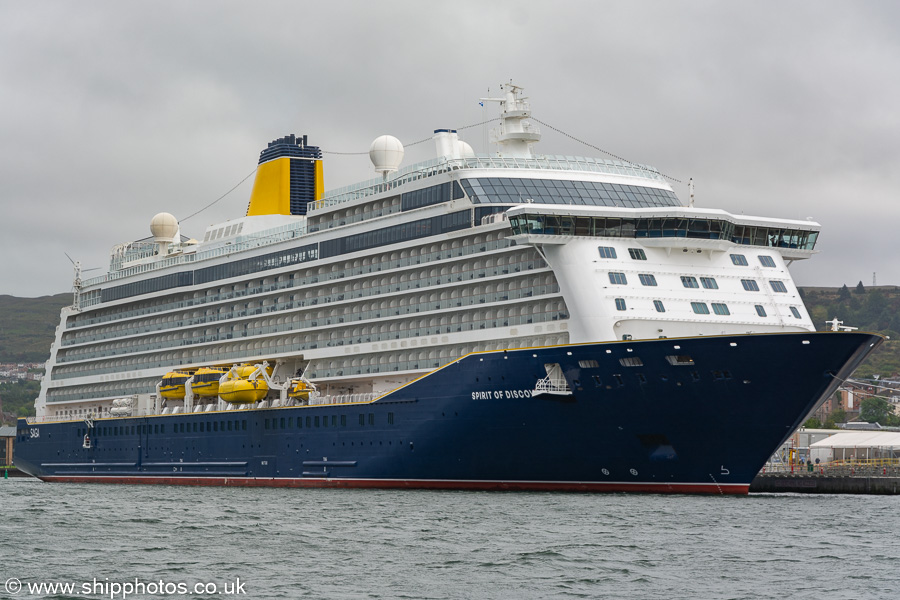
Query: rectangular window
column 290, row 422
column 390, row 418
column 750, row 285
column 588, row 364
column 324, row 421
column 795, row 312
column 679, row 360
column 660, row 307
column 766, row 261
column 709, row 283
column 647, row 279
column 195, row 428
column 156, row 429
column 739, row 259
column 343, row 420
column 362, row 419
column 243, row 425
column 618, row 279
column 760, row 310
column 299, row 422
column 308, row 422
column 689, row 282
column 371, row 419
column 637, row 254
column 700, row 308
column 778, row 286
column 230, row 426
column 281, row 423
column 631, row 361
column 334, row 420
column 620, row 303
column 607, row 252
column 720, row 309
column 267, row 424
column 316, row 421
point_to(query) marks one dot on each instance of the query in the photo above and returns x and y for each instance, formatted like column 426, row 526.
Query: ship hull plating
column 692, row 415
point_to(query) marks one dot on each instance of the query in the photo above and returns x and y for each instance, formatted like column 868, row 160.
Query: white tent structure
column 857, row 445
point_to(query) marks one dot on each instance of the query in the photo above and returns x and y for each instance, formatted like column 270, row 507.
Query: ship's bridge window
column 607, row 252
column 620, row 303
column 778, row 286
column 647, row 279
column 766, row 261
column 760, row 310
column 637, row 254
column 700, row 308
column 618, row 279
column 720, row 309
column 689, row 282
column 750, row 285
column 795, row 312
column 739, row 260
column 775, row 237
column 709, row 283
column 659, row 306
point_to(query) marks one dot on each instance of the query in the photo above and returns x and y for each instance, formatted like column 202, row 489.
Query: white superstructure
column 383, row 281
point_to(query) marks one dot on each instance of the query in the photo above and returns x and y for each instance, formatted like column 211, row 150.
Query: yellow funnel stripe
column 271, row 189
column 320, row 181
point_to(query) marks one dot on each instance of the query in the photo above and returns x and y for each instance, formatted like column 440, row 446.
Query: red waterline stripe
column 566, row 486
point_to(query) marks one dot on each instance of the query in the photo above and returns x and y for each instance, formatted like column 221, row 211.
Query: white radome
column 164, row 227
column 386, row 153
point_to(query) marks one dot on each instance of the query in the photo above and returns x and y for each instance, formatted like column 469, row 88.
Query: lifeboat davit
column 206, row 381
column 173, row 384
column 299, row 389
column 243, row 391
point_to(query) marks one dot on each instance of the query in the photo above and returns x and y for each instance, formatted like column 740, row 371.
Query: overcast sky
column 111, row 112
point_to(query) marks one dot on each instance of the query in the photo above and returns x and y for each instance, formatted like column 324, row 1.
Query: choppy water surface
column 424, row 544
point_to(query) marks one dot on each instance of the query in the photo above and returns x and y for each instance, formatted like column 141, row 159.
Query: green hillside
column 869, row 309
column 27, row 326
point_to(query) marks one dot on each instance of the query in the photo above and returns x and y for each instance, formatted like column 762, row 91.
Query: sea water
column 290, row 543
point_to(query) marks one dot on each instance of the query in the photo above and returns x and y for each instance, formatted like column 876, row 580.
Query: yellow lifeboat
column 243, row 391
column 173, row 384
column 299, row 389
column 206, row 381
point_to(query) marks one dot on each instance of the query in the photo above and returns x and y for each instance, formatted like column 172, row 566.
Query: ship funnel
column 288, row 179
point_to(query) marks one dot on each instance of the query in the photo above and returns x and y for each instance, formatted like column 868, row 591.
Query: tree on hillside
column 860, row 288
column 875, row 410
column 844, row 293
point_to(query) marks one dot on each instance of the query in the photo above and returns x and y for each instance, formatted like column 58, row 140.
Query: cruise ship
column 507, row 321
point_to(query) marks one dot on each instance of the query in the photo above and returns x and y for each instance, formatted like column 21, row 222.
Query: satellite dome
column 386, row 153
column 164, row 227
column 465, row 150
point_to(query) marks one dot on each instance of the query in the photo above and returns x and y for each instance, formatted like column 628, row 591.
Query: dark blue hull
column 696, row 415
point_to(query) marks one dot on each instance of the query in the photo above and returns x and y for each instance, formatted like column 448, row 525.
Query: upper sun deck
column 142, row 257
column 517, row 166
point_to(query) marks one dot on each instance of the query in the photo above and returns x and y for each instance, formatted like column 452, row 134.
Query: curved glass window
column 660, row 307
column 709, row 283
column 618, row 279
column 739, row 259
column 778, row 286
column 760, row 310
column 751, row 286
column 689, row 282
column 507, row 190
column 766, row 261
column 620, row 303
column 647, row 279
column 720, row 309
